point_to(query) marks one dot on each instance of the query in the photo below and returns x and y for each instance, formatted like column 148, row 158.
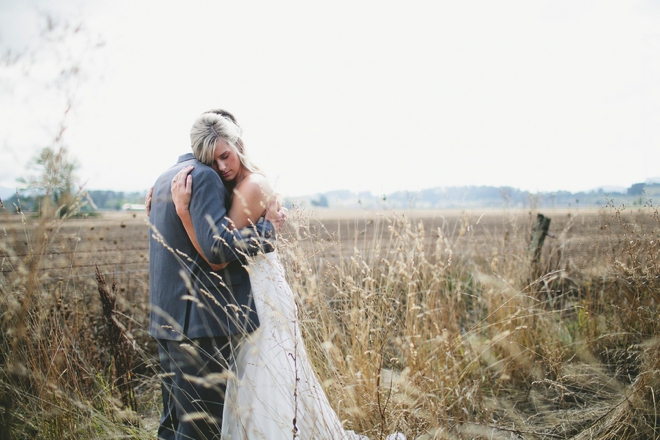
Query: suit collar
column 185, row 157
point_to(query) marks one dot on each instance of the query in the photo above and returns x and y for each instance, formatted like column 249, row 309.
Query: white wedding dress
column 274, row 390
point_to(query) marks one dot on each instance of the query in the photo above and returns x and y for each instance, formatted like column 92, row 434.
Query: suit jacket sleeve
column 219, row 243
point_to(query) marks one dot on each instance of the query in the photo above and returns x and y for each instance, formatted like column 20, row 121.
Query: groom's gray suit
column 192, row 307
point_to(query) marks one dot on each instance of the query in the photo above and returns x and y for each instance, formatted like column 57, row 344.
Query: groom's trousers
column 193, row 386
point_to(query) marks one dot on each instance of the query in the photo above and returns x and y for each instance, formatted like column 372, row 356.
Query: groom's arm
column 218, row 241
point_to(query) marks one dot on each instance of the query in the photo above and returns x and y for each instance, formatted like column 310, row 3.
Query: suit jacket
column 187, row 298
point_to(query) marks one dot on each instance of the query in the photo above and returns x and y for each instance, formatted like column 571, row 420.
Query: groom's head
column 223, row 113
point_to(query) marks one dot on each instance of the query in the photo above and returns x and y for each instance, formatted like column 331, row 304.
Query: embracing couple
column 233, row 362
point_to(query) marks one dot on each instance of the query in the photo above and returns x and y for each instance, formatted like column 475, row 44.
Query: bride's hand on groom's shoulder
column 181, row 188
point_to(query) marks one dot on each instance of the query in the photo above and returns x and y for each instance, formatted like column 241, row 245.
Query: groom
column 196, row 317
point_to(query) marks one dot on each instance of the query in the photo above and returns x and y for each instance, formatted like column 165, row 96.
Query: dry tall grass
column 65, row 351
column 438, row 331
column 451, row 334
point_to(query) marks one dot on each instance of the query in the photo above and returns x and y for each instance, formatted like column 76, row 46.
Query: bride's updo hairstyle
column 212, row 126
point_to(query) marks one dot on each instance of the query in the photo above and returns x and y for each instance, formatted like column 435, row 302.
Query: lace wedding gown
column 274, row 389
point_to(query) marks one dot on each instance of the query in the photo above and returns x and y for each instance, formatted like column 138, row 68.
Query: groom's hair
column 208, row 129
column 224, row 114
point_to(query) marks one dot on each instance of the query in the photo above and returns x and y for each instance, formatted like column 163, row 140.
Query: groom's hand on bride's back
column 147, row 201
column 276, row 214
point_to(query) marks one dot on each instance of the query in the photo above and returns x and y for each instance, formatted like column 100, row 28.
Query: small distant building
column 133, row 207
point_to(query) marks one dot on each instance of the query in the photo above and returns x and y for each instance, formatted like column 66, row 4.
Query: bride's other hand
column 147, row 201
column 182, row 189
column 276, row 213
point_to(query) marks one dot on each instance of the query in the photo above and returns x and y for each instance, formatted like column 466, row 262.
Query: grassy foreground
column 436, row 329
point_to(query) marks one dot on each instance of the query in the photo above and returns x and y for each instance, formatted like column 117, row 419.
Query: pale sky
column 361, row 95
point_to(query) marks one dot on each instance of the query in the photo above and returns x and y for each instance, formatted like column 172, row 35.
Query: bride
column 273, row 392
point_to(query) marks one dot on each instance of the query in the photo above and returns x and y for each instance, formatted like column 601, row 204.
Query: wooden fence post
column 539, row 231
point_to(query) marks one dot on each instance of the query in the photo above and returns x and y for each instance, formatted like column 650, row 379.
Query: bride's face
column 225, row 161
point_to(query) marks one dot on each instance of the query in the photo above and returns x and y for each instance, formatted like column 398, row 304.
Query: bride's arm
column 181, row 192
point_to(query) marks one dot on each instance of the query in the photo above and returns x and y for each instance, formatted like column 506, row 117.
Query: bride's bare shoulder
column 255, row 184
column 254, row 193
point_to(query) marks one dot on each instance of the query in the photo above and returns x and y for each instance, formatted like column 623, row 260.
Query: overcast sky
column 361, row 95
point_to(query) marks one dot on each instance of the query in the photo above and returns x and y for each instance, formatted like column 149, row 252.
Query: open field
column 118, row 243
column 434, row 323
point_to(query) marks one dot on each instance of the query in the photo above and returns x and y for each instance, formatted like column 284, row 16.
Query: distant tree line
column 113, row 200
column 103, row 200
column 483, row 197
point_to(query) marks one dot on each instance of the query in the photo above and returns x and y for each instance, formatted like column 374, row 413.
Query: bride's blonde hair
column 212, row 126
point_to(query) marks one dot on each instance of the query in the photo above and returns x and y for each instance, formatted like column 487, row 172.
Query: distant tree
column 636, row 189
column 51, row 179
column 42, row 72
column 322, row 202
